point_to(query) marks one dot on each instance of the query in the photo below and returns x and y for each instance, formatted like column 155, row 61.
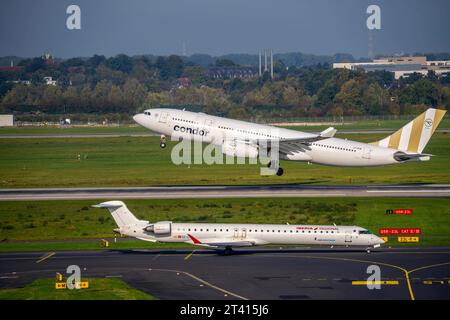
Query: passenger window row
column 333, row 147
column 255, row 230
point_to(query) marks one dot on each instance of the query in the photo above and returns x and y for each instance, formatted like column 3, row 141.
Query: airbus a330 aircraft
column 221, row 236
column 245, row 139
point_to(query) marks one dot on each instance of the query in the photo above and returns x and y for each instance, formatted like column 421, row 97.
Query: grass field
column 139, row 161
column 53, row 220
column 365, row 125
column 99, row 289
column 43, row 130
column 133, row 128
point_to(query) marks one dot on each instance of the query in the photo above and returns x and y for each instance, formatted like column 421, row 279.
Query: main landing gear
column 227, row 251
column 274, row 165
column 162, row 144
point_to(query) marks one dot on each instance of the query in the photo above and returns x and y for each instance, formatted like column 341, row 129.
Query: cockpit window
column 147, row 113
column 364, row 232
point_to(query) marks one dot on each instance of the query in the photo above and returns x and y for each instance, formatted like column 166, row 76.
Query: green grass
column 77, row 244
column 43, row 130
column 139, row 161
column 99, row 289
column 58, row 220
column 133, row 128
column 364, row 125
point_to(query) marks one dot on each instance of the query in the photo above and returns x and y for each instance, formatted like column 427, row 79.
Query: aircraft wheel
column 368, row 250
column 280, row 172
column 162, row 145
column 228, row 251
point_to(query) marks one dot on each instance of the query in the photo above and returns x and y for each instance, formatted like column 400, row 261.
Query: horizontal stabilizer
column 402, row 156
column 109, row 204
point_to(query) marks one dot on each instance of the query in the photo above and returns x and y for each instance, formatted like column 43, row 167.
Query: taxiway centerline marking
column 189, row 255
column 430, row 266
column 203, row 282
column 48, row 255
column 408, row 282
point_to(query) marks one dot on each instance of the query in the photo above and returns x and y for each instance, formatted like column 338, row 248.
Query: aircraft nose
column 378, row 240
column 139, row 118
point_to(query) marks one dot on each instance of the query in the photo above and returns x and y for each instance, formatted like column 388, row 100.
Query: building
column 231, row 72
column 25, row 82
column 10, row 68
column 48, row 58
column 49, row 81
column 400, row 66
column 6, row 120
column 183, row 83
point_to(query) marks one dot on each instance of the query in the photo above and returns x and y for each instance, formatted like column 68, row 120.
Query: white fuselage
column 211, row 129
column 254, row 234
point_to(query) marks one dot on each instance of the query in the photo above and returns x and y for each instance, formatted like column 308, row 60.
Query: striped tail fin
column 414, row 136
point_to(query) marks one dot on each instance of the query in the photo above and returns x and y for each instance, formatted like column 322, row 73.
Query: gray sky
column 31, row 27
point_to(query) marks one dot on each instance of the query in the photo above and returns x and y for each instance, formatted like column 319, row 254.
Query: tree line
column 126, row 85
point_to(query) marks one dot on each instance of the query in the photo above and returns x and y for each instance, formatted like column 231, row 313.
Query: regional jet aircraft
column 245, row 139
column 222, row 236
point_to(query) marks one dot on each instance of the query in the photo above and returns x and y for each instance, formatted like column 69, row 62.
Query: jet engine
column 160, row 228
column 239, row 149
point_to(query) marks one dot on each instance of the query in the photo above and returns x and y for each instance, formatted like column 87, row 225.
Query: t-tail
column 413, row 137
column 120, row 213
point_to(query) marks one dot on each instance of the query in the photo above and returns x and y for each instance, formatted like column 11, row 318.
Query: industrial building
column 6, row 120
column 400, row 66
column 231, row 72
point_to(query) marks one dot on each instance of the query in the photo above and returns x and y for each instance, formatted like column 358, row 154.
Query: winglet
column 194, row 239
column 328, row 133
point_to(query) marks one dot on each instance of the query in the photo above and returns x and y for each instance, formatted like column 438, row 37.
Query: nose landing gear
column 162, row 144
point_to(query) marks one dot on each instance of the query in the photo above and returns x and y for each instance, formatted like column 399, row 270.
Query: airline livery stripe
column 416, row 132
column 404, row 139
column 414, row 136
column 427, row 129
column 437, row 118
column 394, row 140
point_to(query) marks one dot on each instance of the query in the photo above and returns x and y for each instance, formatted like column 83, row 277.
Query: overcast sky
column 108, row 27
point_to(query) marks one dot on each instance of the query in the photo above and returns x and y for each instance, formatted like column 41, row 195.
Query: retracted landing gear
column 162, row 144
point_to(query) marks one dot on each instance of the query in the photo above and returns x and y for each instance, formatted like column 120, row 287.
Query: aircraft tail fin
column 414, row 136
column 120, row 213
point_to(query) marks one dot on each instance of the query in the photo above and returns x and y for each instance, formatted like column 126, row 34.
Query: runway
column 175, row 192
column 287, row 274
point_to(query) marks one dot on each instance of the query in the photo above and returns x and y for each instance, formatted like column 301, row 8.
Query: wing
column 220, row 243
column 294, row 145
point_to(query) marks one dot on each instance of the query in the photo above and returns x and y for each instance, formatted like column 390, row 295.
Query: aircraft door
column 240, row 234
column 366, row 153
column 163, row 117
column 348, row 238
column 208, row 123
